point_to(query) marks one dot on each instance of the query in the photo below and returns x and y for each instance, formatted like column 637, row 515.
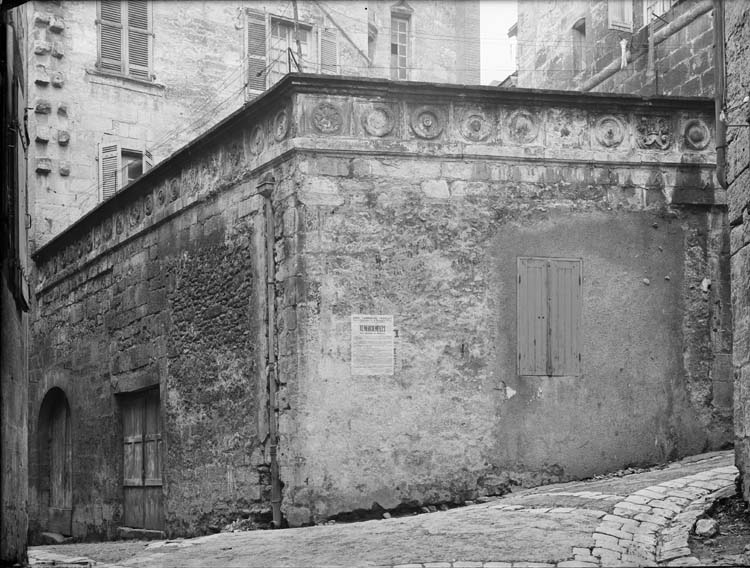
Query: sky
column 496, row 59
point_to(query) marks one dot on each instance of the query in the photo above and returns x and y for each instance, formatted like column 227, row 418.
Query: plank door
column 142, row 457
column 61, row 491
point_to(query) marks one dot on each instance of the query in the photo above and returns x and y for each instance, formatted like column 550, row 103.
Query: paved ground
column 642, row 519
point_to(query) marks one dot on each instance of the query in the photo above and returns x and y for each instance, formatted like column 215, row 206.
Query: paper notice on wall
column 372, row 345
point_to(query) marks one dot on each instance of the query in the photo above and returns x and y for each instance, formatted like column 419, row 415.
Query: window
column 399, row 47
column 620, row 14
column 119, row 166
column 125, row 38
column 271, row 56
column 549, row 316
column 656, row 8
column 579, row 45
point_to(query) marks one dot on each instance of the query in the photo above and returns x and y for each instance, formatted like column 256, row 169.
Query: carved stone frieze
column 523, row 127
column 280, row 125
column 379, row 121
column 326, row 118
column 148, row 205
column 256, row 141
column 475, row 125
column 426, row 122
column 697, row 134
column 654, row 132
column 609, row 131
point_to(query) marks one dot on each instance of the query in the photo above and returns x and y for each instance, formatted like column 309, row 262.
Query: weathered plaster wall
column 424, row 222
column 199, row 68
column 737, row 38
column 161, row 287
column 683, row 60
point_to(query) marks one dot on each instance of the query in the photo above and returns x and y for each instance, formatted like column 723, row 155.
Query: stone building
column 580, row 45
column 109, row 101
column 358, row 294
column 736, row 174
column 14, row 291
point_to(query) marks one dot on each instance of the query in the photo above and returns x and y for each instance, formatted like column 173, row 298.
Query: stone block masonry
column 406, row 200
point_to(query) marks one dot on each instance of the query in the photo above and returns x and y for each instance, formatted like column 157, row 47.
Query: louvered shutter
column 620, row 15
column 110, row 164
column 532, row 316
column 564, row 278
column 148, row 161
column 256, row 50
column 110, row 35
column 139, row 39
column 329, row 53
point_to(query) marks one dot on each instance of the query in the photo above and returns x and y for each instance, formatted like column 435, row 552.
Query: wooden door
column 142, row 451
column 60, row 486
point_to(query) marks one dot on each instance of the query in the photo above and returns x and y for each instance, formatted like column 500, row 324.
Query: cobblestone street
column 640, row 519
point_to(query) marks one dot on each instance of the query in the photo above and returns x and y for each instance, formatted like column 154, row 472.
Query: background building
column 14, row 290
column 117, row 86
column 648, row 47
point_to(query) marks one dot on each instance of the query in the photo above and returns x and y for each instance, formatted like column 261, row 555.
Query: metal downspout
column 265, row 188
column 719, row 93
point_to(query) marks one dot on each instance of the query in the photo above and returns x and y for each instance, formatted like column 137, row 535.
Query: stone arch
column 55, row 461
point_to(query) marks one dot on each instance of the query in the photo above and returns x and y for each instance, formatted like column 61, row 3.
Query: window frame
column 395, row 70
column 126, row 30
column 621, row 20
column 118, row 149
column 528, row 330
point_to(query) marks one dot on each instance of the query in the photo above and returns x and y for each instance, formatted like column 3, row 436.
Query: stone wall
column 199, row 78
column 14, row 317
column 737, row 36
column 422, row 218
column 683, row 58
column 408, row 200
column 162, row 286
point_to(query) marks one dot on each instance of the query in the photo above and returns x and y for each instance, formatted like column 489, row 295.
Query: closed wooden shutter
column 110, row 165
column 329, row 56
column 110, row 35
column 532, row 316
column 620, row 14
column 549, row 316
column 256, row 49
column 139, row 39
column 564, row 317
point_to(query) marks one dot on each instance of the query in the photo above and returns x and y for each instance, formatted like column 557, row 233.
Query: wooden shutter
column 620, row 15
column 532, row 316
column 329, row 56
column 139, row 39
column 256, row 49
column 110, row 166
column 148, row 161
column 110, row 35
column 549, row 316
column 564, row 317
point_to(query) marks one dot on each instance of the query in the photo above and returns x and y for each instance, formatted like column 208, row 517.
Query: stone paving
column 643, row 519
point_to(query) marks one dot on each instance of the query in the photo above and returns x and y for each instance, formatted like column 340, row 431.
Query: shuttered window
column 256, row 50
column 119, row 166
column 125, row 37
column 549, row 316
column 329, row 56
column 620, row 14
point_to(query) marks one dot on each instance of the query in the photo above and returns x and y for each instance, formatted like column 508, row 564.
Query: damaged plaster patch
column 509, row 392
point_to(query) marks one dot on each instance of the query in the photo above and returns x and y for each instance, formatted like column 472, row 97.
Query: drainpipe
column 719, row 93
column 265, row 188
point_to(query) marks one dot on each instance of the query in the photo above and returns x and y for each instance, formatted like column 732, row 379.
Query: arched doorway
column 56, row 453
